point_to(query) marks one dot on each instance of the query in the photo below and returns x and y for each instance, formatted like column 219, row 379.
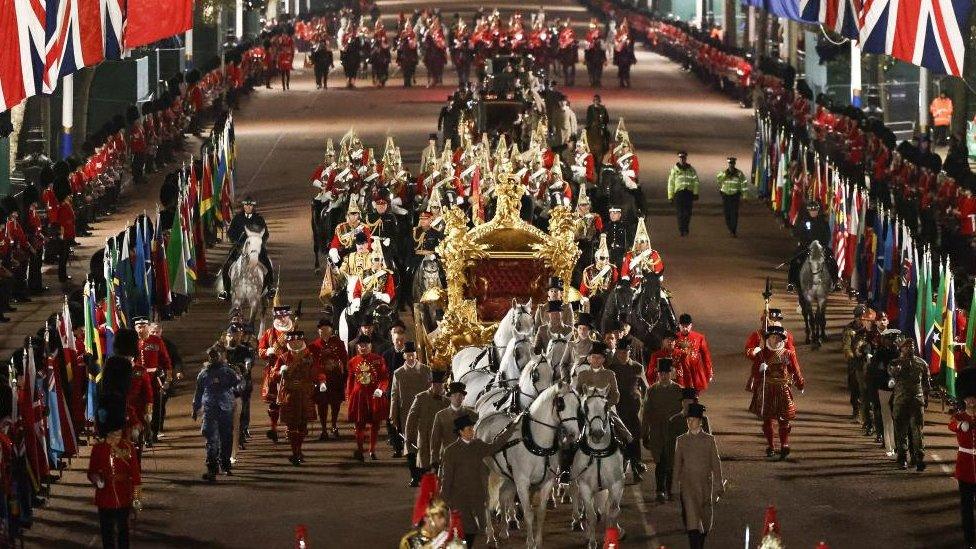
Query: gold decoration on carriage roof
column 560, row 251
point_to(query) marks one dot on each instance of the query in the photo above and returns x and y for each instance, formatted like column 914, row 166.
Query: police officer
column 217, row 386
column 240, row 357
column 732, row 185
column 683, row 190
column 911, row 384
column 247, row 219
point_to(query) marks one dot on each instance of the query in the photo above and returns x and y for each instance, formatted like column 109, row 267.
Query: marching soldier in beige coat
column 443, row 432
column 420, row 421
column 409, row 380
column 464, row 475
column 698, row 472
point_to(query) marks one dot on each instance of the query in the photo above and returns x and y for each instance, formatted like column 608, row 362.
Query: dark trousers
column 967, row 502
column 638, row 195
column 321, row 77
column 115, row 527
column 245, row 411
column 940, row 134
column 569, row 74
column 218, row 428
column 396, row 441
column 682, row 202
column 696, row 539
column 159, row 400
column 61, row 250
column 662, row 473
column 730, row 207
column 853, row 388
column 415, row 472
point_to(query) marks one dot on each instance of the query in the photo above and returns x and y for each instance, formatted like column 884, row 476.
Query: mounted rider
column 814, row 227
column 375, row 279
column 641, row 259
column 248, row 219
column 344, row 239
column 599, row 277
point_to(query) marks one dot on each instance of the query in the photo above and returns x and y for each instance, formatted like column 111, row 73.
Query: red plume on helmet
column 457, row 527
column 771, row 522
column 427, row 491
column 611, row 538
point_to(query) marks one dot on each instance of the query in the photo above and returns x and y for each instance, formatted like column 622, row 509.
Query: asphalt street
column 837, row 485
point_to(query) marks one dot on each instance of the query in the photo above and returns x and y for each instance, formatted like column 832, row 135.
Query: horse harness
column 533, row 448
column 596, row 455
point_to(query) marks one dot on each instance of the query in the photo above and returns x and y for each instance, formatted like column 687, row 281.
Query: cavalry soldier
column 217, row 385
column 911, row 385
column 598, row 278
column 698, row 471
column 774, row 370
column 299, row 378
column 632, row 385
column 555, row 293
column 375, row 279
column 847, row 346
column 552, row 327
column 691, row 348
column 240, row 357
column 623, row 157
column 584, row 164
column 344, row 239
column 683, row 190
column 623, row 54
column 356, row 262
column 442, row 431
column 731, row 185
column 464, row 475
column 367, row 380
column 407, row 54
column 962, row 424
column 270, row 346
column 641, row 259
column 594, row 55
column 330, row 357
column 409, row 380
column 324, row 179
column 661, row 401
column 586, row 230
column 247, row 220
column 568, row 51
column 425, row 237
column 618, row 235
column 154, row 358
column 383, row 223
column 419, row 425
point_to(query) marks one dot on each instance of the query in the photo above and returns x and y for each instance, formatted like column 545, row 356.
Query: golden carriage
column 491, row 264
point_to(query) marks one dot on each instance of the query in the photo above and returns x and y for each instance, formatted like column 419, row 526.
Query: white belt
column 970, row 451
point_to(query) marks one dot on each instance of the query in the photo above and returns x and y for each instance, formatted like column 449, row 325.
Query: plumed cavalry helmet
column 641, row 235
column 584, row 199
column 377, row 250
column 603, row 252
column 353, row 206
column 329, row 149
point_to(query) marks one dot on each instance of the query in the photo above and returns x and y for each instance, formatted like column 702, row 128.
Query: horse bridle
column 588, row 421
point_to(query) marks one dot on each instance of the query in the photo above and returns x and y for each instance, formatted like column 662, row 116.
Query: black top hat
column 598, row 348
column 366, row 321
column 696, row 410
column 409, row 347
column 584, row 319
column 665, row 364
column 456, row 387
column 324, row 321
column 432, row 136
column 361, row 238
column 463, row 421
column 689, row 393
column 776, row 331
column 295, row 335
column 623, row 344
column 555, row 283
column 775, row 314
column 555, row 306
column 437, row 376
column 364, row 340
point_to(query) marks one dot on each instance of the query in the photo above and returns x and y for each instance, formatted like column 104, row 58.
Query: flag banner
column 22, row 50
column 928, row 33
column 148, row 21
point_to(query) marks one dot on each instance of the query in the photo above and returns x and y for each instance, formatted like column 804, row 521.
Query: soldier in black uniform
column 425, row 239
column 619, row 235
column 812, row 227
column 248, row 219
column 240, row 357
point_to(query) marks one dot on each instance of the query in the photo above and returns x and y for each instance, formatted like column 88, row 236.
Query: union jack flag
column 22, row 50
column 928, row 33
column 113, row 22
column 839, row 16
column 74, row 38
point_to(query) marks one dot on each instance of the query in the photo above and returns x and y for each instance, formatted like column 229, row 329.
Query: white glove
column 334, row 256
column 756, row 350
column 378, row 393
column 891, row 384
column 459, row 200
column 964, row 426
column 763, row 367
column 99, row 482
column 385, row 298
column 283, row 369
column 322, row 387
column 270, row 352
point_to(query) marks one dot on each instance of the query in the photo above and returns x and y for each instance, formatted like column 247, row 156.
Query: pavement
column 837, row 485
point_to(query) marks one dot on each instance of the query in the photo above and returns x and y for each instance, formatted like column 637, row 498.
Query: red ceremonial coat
column 139, row 398
column 756, row 339
column 966, row 441
column 270, row 339
column 696, row 359
column 657, row 264
column 772, row 397
column 298, row 383
column 366, row 373
column 331, row 358
column 118, row 467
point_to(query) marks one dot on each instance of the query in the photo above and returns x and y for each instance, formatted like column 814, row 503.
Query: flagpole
column 923, row 99
column 855, row 74
column 67, row 114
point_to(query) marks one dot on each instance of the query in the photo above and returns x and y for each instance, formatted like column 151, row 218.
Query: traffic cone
column 611, row 539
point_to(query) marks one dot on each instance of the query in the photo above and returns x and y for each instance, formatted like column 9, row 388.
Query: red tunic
column 657, row 265
column 118, row 468
column 331, row 359
column 756, row 339
column 366, row 373
column 271, row 339
column 696, row 359
column 966, row 441
column 153, row 355
column 772, row 397
column 139, row 398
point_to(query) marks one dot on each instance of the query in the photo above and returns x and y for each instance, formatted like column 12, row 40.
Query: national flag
column 208, row 210
column 22, row 50
column 947, row 366
column 141, row 297
column 923, row 296
column 909, row 290
column 928, row 33
column 113, row 21
column 839, row 16
column 74, row 38
column 149, row 21
column 174, row 254
column 93, row 347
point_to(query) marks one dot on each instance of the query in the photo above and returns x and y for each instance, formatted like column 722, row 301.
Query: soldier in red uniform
column 691, row 348
column 366, row 384
column 139, row 406
column 962, row 424
column 774, row 369
column 272, row 343
column 154, row 358
column 115, row 472
column 330, row 356
column 299, row 376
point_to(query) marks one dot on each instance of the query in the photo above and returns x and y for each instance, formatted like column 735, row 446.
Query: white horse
column 247, row 278
column 815, row 286
column 530, row 465
column 598, row 465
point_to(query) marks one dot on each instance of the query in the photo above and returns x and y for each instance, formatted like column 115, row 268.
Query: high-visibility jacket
column 941, row 109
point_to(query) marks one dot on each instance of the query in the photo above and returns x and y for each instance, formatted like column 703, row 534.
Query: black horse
column 649, row 313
